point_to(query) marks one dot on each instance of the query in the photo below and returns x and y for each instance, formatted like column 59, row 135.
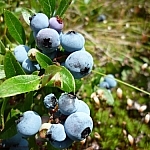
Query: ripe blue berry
column 29, row 123
column 50, row 101
column 101, row 18
column 14, row 140
column 72, row 41
column 110, row 80
column 63, row 144
column 104, row 84
column 47, row 40
column 67, row 103
column 79, row 63
column 38, row 21
column 20, row 52
column 28, row 66
column 56, row 23
column 78, row 126
column 56, row 132
column 23, row 145
column 82, row 107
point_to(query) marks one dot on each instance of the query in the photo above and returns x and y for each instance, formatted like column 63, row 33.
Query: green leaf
column 107, row 96
column 5, row 100
column 10, row 129
column 2, row 72
column 63, row 80
column 27, row 102
column 12, row 66
column 19, row 84
column 50, row 71
column 31, row 40
column 2, row 4
column 2, row 48
column 48, row 7
column 26, row 13
column 64, row 4
column 43, row 60
column 15, row 28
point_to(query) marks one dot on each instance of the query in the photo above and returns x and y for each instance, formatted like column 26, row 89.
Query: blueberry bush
column 74, row 75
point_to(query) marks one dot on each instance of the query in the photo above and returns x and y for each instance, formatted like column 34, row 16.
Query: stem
column 127, row 84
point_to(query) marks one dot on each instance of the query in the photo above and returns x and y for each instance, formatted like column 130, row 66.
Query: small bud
column 93, row 95
column 100, row 92
column 147, row 118
column 136, row 106
column 129, row 102
column 124, row 132
column 144, row 66
column 43, row 129
column 119, row 93
column 130, row 139
column 83, row 141
column 142, row 108
column 31, row 54
column 96, row 100
column 97, row 135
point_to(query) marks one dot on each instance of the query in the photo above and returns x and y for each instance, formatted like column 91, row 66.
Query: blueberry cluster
column 108, row 82
column 28, row 124
column 67, row 48
column 73, row 120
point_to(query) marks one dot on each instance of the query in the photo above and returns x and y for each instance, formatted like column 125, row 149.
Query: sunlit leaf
column 43, row 60
column 26, row 13
column 50, row 71
column 63, row 80
column 64, row 4
column 19, row 84
column 2, row 72
column 48, row 7
column 15, row 27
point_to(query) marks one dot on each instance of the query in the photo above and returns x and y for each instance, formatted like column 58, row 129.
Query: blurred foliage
column 120, row 45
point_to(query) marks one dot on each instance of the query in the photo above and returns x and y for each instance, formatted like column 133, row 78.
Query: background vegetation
column 120, row 45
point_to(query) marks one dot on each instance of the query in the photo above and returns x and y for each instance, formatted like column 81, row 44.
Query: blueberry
column 101, row 18
column 104, row 84
column 50, row 101
column 110, row 80
column 36, row 65
column 20, row 52
column 79, row 63
column 56, row 132
column 67, row 103
column 38, row 21
column 47, row 40
column 63, row 144
column 29, row 123
column 14, row 140
column 56, row 23
column 83, row 107
column 28, row 66
column 23, row 145
column 78, row 126
column 72, row 41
